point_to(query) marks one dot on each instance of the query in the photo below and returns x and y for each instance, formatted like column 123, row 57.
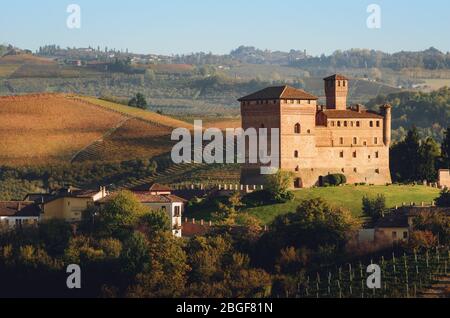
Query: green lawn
column 349, row 197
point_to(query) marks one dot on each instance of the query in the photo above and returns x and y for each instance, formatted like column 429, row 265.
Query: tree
column 314, row 224
column 444, row 199
column 374, row 208
column 429, row 154
column 135, row 256
column 155, row 222
column 120, row 214
column 138, row 101
column 55, row 234
column 278, row 186
column 228, row 213
column 445, row 150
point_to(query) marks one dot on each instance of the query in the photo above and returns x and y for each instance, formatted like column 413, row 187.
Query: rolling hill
column 43, row 129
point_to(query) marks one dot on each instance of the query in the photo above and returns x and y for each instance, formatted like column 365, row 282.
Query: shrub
column 334, row 180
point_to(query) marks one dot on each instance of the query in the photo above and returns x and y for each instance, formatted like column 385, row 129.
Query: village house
column 68, row 204
column 444, row 179
column 397, row 226
column 160, row 198
column 318, row 140
column 18, row 214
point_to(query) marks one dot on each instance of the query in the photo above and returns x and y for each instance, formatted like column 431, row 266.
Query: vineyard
column 412, row 275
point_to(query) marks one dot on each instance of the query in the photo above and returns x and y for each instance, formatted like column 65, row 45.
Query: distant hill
column 57, row 128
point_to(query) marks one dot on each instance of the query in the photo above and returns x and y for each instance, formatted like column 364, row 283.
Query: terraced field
column 57, row 128
column 46, row 129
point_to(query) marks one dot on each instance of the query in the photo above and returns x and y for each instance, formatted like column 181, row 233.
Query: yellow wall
column 68, row 209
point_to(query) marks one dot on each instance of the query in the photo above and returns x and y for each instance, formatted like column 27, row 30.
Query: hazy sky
column 184, row 26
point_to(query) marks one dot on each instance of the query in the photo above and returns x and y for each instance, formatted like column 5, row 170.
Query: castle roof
column 349, row 113
column 336, row 77
column 279, row 92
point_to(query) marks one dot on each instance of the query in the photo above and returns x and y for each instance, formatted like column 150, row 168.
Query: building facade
column 318, row 140
column 18, row 214
column 69, row 204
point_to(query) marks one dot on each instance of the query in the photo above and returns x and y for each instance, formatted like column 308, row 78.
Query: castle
column 317, row 140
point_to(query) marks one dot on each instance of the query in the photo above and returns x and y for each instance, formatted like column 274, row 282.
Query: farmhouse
column 68, row 204
column 18, row 214
column 444, row 179
column 158, row 197
column 317, row 140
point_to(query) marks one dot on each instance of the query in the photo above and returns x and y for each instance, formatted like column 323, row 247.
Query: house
column 68, row 204
column 444, row 179
column 18, row 214
column 398, row 225
column 317, row 140
column 393, row 228
column 160, row 197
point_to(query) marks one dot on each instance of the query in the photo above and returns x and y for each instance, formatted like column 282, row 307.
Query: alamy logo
column 74, row 279
column 374, row 19
column 252, row 146
column 74, row 19
column 374, row 280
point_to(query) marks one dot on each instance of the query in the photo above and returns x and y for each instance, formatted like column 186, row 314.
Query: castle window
column 275, row 101
column 341, row 154
column 377, row 154
column 378, row 123
column 354, row 154
column 344, row 83
column 296, row 154
column 343, row 170
column 341, row 141
column 297, row 169
column 377, row 171
column 352, row 124
column 339, row 124
column 298, row 128
column 371, row 123
column 309, row 131
column 355, row 170
column 358, row 124
column 355, row 140
column 345, row 124
column 309, row 101
column 375, row 141
column 332, row 123
column 339, row 83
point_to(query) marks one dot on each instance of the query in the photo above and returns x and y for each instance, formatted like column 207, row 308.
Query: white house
column 159, row 197
column 18, row 214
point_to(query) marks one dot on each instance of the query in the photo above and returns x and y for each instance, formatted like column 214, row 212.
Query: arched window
column 371, row 124
column 296, row 154
column 298, row 129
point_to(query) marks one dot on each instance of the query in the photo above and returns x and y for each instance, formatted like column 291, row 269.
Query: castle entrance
column 298, row 184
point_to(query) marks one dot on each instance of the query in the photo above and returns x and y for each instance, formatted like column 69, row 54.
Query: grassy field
column 349, row 197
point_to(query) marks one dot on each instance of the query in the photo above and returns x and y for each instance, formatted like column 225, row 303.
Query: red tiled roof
column 279, row 92
column 156, row 187
column 19, row 209
column 338, row 114
column 146, row 197
column 336, row 77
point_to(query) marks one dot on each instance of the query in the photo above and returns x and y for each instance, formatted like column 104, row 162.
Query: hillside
column 350, row 197
column 55, row 128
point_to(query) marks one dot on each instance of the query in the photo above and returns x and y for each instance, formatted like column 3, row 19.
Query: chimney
column 336, row 91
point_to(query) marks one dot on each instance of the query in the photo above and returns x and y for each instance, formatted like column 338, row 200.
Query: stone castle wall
column 320, row 149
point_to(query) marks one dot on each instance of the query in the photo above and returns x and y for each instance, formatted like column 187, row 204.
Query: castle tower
column 386, row 111
column 336, row 91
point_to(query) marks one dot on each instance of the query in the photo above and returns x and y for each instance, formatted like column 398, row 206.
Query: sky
column 218, row 26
